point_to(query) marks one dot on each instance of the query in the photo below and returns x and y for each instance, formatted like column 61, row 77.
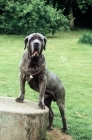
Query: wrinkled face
column 35, row 44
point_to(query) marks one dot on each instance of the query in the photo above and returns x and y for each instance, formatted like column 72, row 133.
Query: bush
column 86, row 38
column 18, row 17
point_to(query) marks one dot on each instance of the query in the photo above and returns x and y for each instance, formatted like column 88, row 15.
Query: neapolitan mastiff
column 33, row 70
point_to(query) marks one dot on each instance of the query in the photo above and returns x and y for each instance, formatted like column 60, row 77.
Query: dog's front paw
column 41, row 105
column 19, row 99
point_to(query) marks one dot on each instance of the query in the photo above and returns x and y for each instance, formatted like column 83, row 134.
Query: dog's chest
column 33, row 70
column 28, row 69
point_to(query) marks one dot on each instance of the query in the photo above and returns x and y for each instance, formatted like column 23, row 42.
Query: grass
column 71, row 61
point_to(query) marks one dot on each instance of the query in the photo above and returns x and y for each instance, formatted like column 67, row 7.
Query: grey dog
column 33, row 70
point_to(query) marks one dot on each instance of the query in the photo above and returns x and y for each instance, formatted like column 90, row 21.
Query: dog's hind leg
column 61, row 106
column 47, row 100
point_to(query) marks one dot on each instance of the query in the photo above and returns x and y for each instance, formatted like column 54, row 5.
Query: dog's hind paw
column 49, row 128
column 64, row 129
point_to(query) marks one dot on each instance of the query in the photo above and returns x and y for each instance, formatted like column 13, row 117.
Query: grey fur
column 33, row 70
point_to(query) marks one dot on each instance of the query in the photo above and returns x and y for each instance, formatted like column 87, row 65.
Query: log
column 22, row 121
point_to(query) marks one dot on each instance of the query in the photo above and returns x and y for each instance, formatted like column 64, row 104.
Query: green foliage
column 19, row 17
column 83, row 5
column 86, row 38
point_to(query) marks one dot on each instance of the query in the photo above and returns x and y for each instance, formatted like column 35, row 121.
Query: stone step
column 22, row 121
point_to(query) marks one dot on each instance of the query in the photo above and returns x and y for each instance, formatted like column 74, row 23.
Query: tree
column 61, row 4
column 70, row 6
column 18, row 17
column 70, row 9
column 84, row 4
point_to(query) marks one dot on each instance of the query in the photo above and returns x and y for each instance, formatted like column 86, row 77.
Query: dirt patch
column 56, row 134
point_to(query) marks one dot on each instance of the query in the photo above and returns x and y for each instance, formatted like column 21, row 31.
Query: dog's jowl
column 33, row 70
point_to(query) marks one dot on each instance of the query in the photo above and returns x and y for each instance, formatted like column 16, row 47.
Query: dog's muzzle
column 36, row 47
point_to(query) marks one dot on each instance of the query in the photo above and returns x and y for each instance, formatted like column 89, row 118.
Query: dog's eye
column 40, row 38
column 32, row 38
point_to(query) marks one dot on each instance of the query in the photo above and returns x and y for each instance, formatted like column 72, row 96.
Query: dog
column 33, row 70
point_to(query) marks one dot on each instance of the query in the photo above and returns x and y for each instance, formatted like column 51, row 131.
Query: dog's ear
column 45, row 40
column 25, row 41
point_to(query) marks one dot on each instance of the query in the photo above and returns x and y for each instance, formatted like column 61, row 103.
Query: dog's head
column 35, row 43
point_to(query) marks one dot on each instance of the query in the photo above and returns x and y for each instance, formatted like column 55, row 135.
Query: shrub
column 86, row 38
column 18, row 17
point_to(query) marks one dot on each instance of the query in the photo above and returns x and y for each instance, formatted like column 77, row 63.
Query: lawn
column 71, row 61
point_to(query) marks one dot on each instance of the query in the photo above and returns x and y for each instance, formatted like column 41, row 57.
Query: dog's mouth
column 35, row 54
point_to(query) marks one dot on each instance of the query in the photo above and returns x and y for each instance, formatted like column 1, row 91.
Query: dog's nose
column 36, row 44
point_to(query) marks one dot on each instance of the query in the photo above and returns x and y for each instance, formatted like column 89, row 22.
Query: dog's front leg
column 42, row 88
column 22, row 88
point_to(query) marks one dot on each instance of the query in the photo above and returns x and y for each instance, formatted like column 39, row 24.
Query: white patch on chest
column 31, row 76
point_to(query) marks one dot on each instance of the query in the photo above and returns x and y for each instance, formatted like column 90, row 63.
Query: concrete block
column 22, row 121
